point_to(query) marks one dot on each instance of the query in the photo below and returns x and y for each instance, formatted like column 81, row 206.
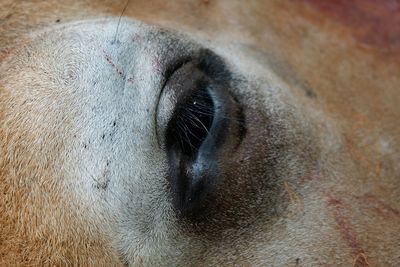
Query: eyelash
column 192, row 120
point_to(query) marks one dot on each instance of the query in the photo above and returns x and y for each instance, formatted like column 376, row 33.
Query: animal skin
column 299, row 161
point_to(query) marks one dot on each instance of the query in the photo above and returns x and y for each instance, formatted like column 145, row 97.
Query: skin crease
column 320, row 93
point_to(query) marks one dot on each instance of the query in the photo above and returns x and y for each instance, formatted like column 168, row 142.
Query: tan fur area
column 40, row 225
column 336, row 202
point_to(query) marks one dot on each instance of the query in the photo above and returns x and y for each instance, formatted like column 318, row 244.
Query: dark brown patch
column 373, row 22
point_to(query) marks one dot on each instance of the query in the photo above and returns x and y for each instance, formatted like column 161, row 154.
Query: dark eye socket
column 192, row 120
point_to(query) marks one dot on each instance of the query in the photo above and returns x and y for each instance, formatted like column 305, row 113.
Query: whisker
column 192, row 116
column 119, row 21
column 206, row 113
column 186, row 130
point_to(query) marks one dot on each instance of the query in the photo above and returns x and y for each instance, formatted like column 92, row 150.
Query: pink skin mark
column 347, row 232
column 378, row 205
column 136, row 37
column 131, row 80
column 156, row 64
column 115, row 67
column 313, row 177
column 6, row 52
